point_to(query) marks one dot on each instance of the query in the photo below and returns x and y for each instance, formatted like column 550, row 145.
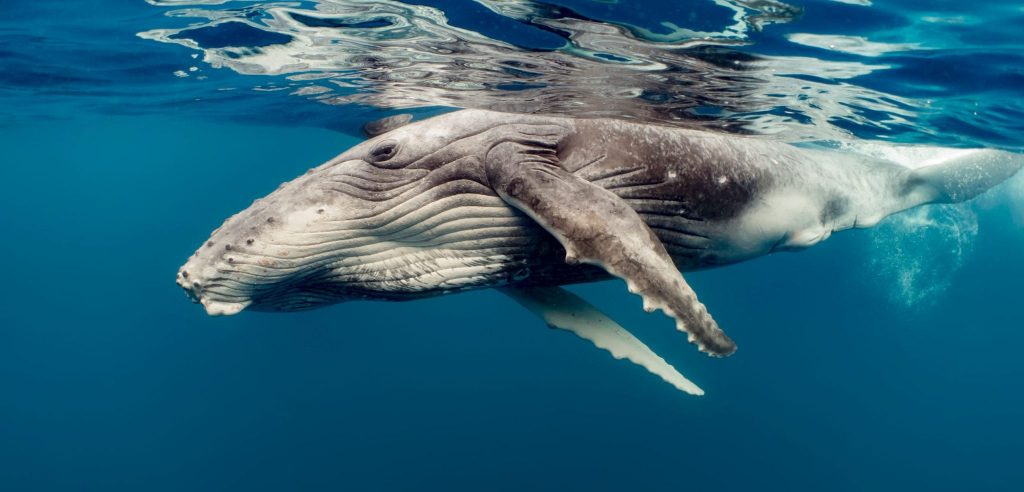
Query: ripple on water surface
column 939, row 73
column 763, row 67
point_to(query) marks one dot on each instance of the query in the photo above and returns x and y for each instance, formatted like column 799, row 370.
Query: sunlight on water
column 394, row 55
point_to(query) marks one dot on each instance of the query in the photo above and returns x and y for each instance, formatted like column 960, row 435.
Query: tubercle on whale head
column 194, row 291
column 263, row 251
column 344, row 230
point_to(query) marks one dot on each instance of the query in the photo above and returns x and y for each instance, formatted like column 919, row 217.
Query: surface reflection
column 397, row 56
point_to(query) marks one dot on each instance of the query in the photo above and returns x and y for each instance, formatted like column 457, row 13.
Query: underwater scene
column 508, row 245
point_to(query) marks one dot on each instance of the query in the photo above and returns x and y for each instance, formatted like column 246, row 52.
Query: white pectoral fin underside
column 564, row 310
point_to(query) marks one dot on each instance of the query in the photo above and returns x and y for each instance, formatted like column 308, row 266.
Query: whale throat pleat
column 431, row 242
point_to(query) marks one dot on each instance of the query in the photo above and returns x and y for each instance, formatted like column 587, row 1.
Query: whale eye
column 384, row 151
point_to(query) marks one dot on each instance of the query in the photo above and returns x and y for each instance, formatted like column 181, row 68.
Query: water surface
column 878, row 360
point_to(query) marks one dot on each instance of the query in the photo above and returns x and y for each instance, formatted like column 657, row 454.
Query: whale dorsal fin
column 379, row 127
column 597, row 227
column 562, row 309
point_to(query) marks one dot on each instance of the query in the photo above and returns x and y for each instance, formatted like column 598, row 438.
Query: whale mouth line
column 212, row 307
column 191, row 294
column 221, row 308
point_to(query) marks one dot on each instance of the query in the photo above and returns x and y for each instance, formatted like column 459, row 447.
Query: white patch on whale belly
column 783, row 220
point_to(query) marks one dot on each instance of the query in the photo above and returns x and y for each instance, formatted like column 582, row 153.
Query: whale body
column 524, row 203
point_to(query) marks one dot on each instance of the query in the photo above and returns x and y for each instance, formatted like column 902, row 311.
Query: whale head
column 390, row 218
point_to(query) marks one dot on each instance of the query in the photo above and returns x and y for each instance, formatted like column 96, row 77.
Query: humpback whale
column 526, row 204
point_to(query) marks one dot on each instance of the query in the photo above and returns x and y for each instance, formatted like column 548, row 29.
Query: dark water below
column 879, row 360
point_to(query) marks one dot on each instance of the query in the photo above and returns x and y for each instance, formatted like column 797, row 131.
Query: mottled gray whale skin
column 477, row 199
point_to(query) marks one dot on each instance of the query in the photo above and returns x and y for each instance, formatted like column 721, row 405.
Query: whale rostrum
column 478, row 199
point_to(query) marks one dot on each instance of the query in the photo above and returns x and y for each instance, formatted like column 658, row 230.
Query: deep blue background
column 111, row 380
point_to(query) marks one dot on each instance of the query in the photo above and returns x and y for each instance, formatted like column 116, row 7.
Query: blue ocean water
column 883, row 359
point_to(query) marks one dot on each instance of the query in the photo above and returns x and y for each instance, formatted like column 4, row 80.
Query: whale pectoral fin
column 564, row 310
column 597, row 227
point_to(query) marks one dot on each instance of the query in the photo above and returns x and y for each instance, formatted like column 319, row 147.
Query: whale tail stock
column 961, row 175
